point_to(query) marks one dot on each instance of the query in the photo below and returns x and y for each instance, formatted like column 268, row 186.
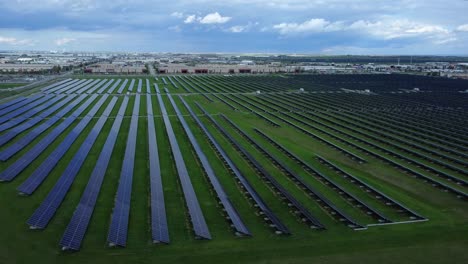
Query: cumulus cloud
column 463, row 28
column 15, row 42
column 237, row 29
column 177, row 14
column 63, row 41
column 314, row 25
column 190, row 19
column 214, row 18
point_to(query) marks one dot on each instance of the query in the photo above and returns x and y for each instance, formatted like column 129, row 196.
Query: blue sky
column 238, row 26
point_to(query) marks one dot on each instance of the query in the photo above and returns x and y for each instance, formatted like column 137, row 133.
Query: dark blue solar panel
column 119, row 222
column 12, row 102
column 44, row 213
column 46, row 89
column 269, row 215
column 19, row 105
column 62, row 86
column 140, row 84
column 24, row 109
column 41, row 172
column 94, row 88
column 103, row 88
column 111, row 90
column 75, row 88
column 49, row 100
column 76, row 229
column 132, row 84
column 196, row 215
column 234, row 217
column 17, row 146
column 148, row 86
column 16, row 168
column 93, row 84
column 122, row 87
column 159, row 229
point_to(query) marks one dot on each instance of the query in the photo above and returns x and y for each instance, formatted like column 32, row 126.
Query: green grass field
column 440, row 239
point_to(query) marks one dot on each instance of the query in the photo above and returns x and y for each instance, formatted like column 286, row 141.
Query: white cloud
column 15, row 42
column 177, row 14
column 214, row 18
column 314, row 25
column 463, row 28
column 63, row 41
column 237, row 29
column 190, row 19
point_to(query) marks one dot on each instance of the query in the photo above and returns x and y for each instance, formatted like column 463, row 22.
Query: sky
column 328, row 27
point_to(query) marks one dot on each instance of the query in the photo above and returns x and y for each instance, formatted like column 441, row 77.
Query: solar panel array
column 148, row 86
column 22, row 142
column 122, row 87
column 140, row 84
column 111, row 90
column 44, row 213
column 132, row 84
column 119, row 222
column 41, row 172
column 76, row 228
column 19, row 105
column 196, row 215
column 12, row 102
column 234, row 217
column 159, row 229
column 18, row 166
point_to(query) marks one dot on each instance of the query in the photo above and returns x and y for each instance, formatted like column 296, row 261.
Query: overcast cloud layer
column 254, row 26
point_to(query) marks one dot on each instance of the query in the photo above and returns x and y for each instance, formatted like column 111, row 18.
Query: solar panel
column 196, row 215
column 94, row 88
column 111, row 90
column 93, row 83
column 234, row 217
column 119, row 222
column 61, row 86
column 36, row 131
column 50, row 100
column 140, row 83
column 44, row 213
column 75, row 231
column 41, row 172
column 12, row 102
column 103, row 88
column 24, row 109
column 80, row 86
column 132, row 84
column 122, row 87
column 148, row 86
column 49, row 87
column 159, row 229
column 19, row 105
column 269, row 215
column 13, row 170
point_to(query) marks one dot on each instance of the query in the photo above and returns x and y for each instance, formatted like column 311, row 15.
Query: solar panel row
column 67, row 84
column 41, row 172
column 12, row 102
column 265, row 210
column 122, row 87
column 75, row 88
column 23, row 109
column 19, row 165
column 94, row 88
column 19, row 105
column 170, row 79
column 148, row 87
column 159, row 229
column 140, row 84
column 164, row 80
column 50, row 100
column 196, row 215
column 76, row 229
column 132, row 84
column 119, row 222
column 44, row 213
column 234, row 217
column 111, row 90
column 11, row 150
column 95, row 83
column 55, row 84
column 103, row 88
